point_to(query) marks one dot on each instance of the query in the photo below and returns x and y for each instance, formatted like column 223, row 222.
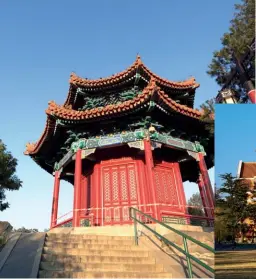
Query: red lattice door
column 119, row 185
column 168, row 189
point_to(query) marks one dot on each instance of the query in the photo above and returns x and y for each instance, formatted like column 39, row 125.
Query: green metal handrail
column 185, row 237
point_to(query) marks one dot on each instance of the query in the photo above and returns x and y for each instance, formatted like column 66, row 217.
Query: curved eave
column 33, row 148
column 150, row 93
column 177, row 85
column 119, row 78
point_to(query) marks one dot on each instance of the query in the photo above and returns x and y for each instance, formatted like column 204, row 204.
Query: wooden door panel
column 167, row 189
column 119, row 185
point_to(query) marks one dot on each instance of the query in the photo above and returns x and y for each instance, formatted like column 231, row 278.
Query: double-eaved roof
column 175, row 98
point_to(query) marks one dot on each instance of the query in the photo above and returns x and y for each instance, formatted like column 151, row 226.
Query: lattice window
column 166, row 186
column 172, row 189
column 106, row 186
column 158, row 187
column 115, row 185
column 133, row 186
column 124, row 185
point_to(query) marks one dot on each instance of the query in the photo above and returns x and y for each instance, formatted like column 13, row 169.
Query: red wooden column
column 150, row 175
column 55, row 199
column 97, row 217
column 206, row 182
column 142, row 186
column 77, row 189
column 83, row 198
column 203, row 196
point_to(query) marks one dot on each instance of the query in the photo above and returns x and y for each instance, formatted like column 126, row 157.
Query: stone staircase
column 97, row 256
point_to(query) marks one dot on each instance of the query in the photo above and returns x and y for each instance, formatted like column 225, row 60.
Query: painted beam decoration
column 129, row 137
column 137, row 135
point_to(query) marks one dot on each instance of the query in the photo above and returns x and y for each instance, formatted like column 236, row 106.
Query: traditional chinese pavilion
column 129, row 140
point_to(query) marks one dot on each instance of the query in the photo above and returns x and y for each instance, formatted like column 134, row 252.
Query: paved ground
column 18, row 255
column 235, row 264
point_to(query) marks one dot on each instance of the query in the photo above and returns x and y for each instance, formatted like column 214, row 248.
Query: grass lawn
column 235, row 264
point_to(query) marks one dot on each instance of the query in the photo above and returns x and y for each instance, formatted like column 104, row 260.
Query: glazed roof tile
column 69, row 114
column 116, row 78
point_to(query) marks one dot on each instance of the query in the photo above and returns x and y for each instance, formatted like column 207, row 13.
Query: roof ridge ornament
column 138, row 60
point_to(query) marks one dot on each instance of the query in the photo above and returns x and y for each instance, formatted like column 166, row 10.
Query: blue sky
column 235, row 138
column 42, row 42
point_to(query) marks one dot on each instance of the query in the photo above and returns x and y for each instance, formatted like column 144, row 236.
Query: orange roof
column 67, row 113
column 32, row 148
column 137, row 66
column 64, row 112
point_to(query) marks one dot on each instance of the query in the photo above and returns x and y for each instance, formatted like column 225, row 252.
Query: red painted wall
column 117, row 184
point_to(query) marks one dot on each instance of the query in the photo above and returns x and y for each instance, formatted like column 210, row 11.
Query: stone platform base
column 128, row 230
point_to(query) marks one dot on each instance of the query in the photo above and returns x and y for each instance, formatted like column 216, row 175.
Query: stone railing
column 5, row 230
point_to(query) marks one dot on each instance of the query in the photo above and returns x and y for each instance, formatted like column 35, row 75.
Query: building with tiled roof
column 130, row 139
column 247, row 174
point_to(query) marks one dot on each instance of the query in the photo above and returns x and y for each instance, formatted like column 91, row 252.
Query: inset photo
column 235, row 192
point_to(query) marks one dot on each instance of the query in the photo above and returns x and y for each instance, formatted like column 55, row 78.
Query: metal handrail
column 184, row 236
column 63, row 222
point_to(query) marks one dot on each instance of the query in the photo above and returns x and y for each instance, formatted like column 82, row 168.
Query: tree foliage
column 236, row 40
column 24, row 230
column 8, row 178
column 208, row 115
column 231, row 208
column 195, row 206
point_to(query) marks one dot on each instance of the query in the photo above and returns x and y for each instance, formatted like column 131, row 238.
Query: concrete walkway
column 20, row 255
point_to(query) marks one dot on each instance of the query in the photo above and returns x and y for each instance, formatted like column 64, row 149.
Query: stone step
column 100, row 267
column 98, row 246
column 97, row 259
column 87, row 236
column 102, row 274
column 90, row 241
column 95, row 252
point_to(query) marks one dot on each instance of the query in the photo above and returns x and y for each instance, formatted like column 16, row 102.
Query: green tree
column 8, row 178
column 222, row 231
column 235, row 41
column 251, row 213
column 231, row 207
column 24, row 230
column 195, row 206
column 207, row 117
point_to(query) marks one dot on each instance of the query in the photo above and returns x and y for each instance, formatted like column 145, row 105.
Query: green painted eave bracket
column 137, row 135
column 127, row 137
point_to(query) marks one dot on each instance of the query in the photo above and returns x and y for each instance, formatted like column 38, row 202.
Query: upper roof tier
column 129, row 76
column 150, row 93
